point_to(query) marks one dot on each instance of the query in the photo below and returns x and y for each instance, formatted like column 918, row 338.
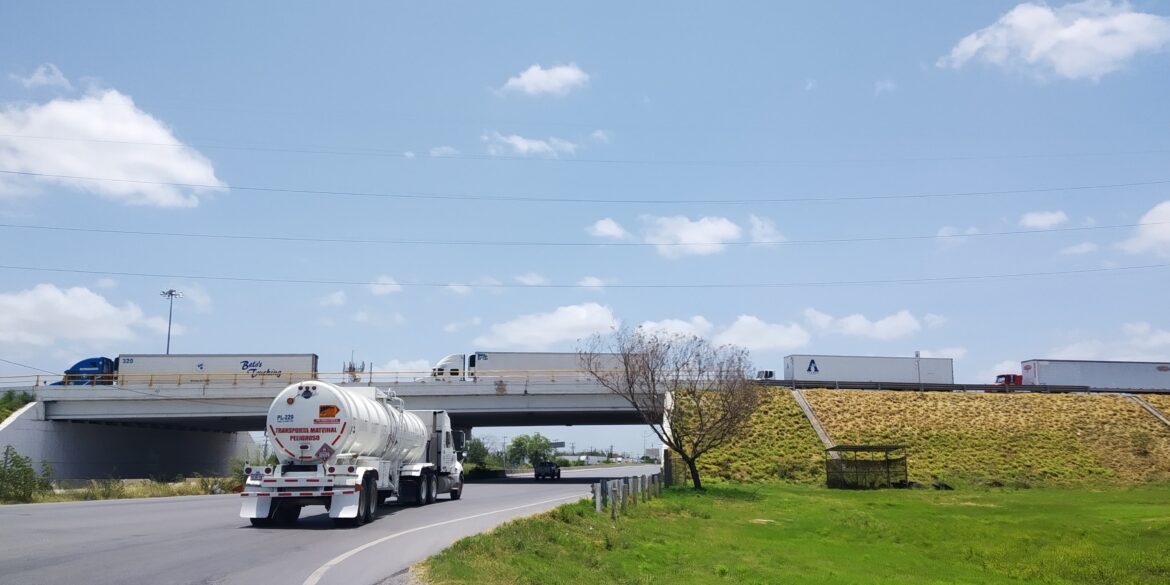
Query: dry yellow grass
column 1029, row 438
column 779, row 444
column 1159, row 401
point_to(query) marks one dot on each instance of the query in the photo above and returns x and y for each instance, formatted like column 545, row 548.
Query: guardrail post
column 597, row 497
column 612, row 501
column 635, row 489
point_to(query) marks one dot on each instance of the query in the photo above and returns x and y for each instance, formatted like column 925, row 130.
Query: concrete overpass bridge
column 146, row 430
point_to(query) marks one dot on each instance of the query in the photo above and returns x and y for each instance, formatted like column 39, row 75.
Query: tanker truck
column 349, row 448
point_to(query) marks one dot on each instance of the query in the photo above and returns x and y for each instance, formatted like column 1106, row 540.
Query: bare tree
column 694, row 395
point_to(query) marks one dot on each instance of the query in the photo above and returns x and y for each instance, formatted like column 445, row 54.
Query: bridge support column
column 82, row 450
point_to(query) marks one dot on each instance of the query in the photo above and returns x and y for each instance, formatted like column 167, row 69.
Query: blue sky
column 467, row 176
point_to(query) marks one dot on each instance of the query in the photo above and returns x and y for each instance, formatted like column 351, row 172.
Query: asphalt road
column 202, row 539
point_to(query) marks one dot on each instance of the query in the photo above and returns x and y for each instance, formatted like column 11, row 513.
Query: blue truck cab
column 94, row 371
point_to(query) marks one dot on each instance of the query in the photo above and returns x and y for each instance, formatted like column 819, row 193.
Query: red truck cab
column 1009, row 380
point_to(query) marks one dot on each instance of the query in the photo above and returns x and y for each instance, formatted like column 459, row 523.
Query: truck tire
column 369, row 500
column 432, row 489
column 457, row 489
column 420, row 492
column 287, row 514
column 267, row 521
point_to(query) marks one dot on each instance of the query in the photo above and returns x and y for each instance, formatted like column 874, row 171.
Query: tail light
column 332, row 469
column 247, row 471
column 349, row 469
column 267, row 471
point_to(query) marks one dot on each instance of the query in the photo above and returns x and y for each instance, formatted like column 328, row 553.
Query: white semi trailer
column 1097, row 374
column 841, row 368
column 348, row 449
column 515, row 365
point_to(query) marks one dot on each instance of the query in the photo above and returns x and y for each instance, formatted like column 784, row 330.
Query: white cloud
column 600, row 136
column 1139, row 341
column 408, row 154
column 955, row 353
column 894, row 326
column 531, row 279
column 384, row 285
column 679, row 236
column 697, row 326
column 196, row 295
column 556, row 80
column 514, row 144
column 47, row 75
column 607, row 228
column 454, row 326
column 591, row 282
column 106, row 283
column 952, row 236
column 334, row 299
column 487, row 283
column 1153, row 235
column 538, row 331
column 442, row 151
column 45, row 314
column 1077, row 249
column 1042, row 220
column 417, row 367
column 757, row 335
column 763, row 231
column 934, row 321
column 1083, row 40
column 97, row 135
column 884, row 86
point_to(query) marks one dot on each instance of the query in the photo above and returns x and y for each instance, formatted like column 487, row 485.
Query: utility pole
column 170, row 294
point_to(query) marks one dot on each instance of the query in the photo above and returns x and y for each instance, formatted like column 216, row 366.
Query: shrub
column 19, row 482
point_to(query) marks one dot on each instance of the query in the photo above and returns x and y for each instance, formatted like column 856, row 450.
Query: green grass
column 11, row 401
column 779, row 444
column 789, row 533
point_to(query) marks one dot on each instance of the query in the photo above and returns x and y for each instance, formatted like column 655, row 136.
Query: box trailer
column 1097, row 374
column 214, row 369
column 516, row 365
column 842, row 368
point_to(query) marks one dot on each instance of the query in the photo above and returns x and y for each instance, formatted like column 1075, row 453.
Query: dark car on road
column 548, row 470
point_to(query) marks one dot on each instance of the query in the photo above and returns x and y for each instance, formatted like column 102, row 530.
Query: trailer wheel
column 266, row 521
column 369, row 500
column 457, row 489
column 287, row 514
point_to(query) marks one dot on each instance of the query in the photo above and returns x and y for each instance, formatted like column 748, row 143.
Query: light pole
column 171, row 294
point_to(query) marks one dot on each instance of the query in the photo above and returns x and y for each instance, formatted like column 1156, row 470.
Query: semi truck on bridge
column 514, row 365
column 182, row 369
column 349, row 448
column 1093, row 373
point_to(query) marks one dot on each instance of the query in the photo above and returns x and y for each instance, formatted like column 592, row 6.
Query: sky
column 986, row 181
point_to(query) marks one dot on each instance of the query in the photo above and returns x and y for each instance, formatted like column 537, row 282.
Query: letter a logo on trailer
column 812, row 367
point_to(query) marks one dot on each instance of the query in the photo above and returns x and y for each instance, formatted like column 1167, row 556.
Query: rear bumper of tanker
column 340, row 502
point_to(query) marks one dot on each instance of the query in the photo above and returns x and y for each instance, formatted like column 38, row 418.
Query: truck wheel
column 267, row 521
column 433, row 489
column 457, row 489
column 420, row 492
column 287, row 514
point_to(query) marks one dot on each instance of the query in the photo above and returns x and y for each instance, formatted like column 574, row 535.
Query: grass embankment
column 788, row 533
column 1159, row 401
column 779, row 444
column 1011, row 438
column 11, row 401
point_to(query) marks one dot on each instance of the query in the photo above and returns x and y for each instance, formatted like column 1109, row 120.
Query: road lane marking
column 320, row 572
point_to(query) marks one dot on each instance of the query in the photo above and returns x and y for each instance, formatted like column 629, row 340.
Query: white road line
column 320, row 572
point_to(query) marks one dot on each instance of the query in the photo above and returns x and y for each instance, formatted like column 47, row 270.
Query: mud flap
column 254, row 507
column 345, row 505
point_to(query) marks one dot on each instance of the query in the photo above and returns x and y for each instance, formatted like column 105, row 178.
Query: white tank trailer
column 349, row 448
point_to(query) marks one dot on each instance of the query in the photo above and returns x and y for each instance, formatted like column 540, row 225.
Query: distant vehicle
column 348, row 448
column 1094, row 374
column 509, row 366
column 547, row 470
column 841, row 368
column 190, row 369
column 1009, row 380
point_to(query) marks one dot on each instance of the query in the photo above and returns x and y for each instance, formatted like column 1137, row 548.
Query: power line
column 722, row 285
column 27, row 366
column 383, row 153
column 523, row 243
column 517, row 198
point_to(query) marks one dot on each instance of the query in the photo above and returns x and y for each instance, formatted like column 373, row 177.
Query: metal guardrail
column 917, row 387
column 619, row 494
column 228, row 379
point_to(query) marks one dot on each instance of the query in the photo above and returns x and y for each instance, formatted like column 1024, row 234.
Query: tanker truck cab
column 349, row 448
